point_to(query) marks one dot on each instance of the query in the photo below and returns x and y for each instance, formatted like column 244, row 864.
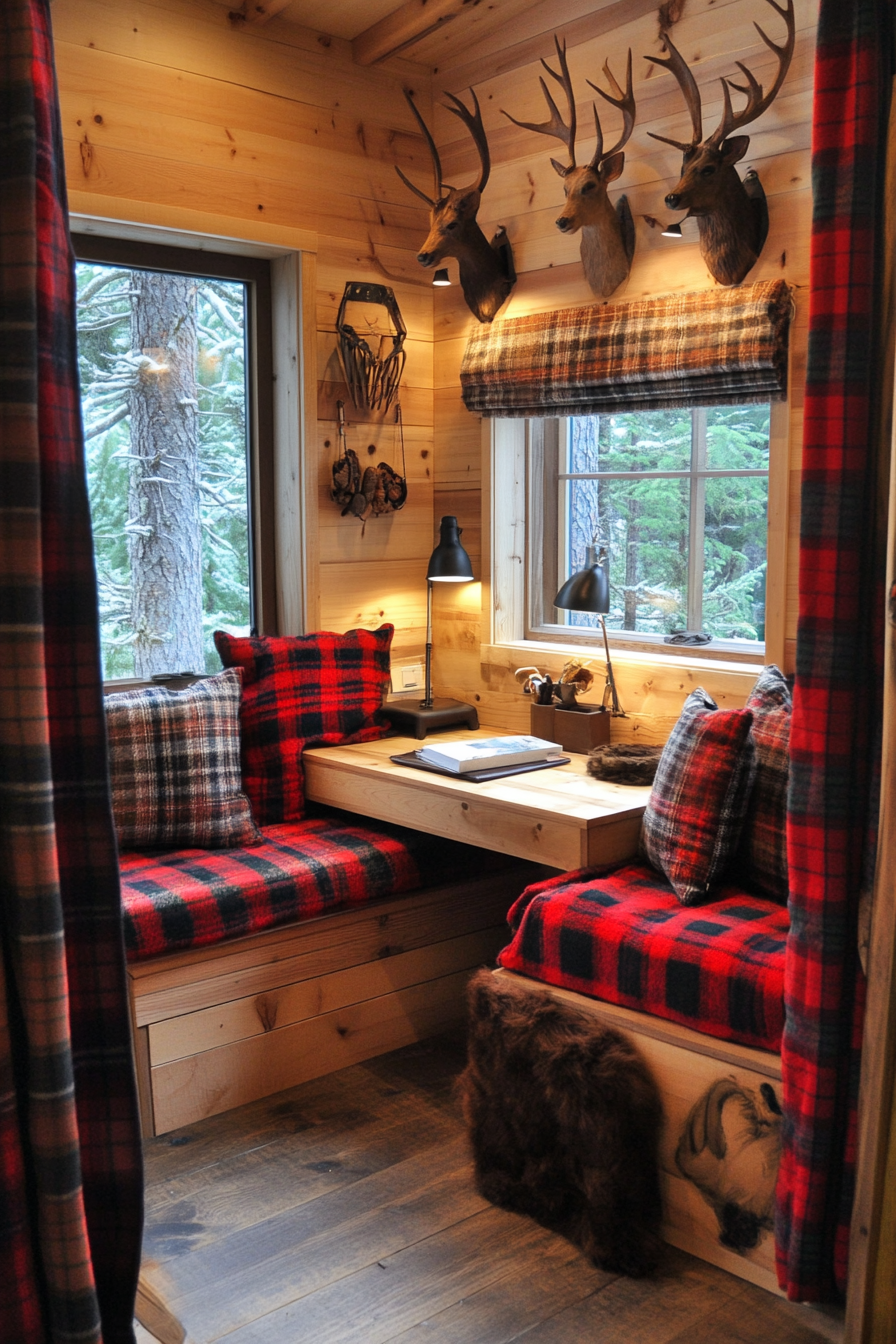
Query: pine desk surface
column 560, row 817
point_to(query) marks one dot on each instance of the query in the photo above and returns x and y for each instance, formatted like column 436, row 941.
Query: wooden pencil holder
column 578, row 728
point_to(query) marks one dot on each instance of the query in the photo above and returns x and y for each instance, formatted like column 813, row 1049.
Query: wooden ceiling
column 435, row 33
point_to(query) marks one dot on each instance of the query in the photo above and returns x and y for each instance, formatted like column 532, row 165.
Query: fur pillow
column 624, row 763
column 764, row 844
column 564, row 1119
column 174, row 767
column 698, row 803
column 303, row 691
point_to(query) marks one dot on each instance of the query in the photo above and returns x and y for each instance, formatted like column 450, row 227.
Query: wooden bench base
column 686, row 1065
column 222, row 1025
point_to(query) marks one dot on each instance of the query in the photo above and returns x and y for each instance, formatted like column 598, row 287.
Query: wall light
column 441, row 278
column 672, row 231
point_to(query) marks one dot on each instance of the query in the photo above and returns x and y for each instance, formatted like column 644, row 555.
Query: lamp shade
column 589, row 590
column 449, row 562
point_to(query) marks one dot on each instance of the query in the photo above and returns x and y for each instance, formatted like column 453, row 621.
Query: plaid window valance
column 713, row 347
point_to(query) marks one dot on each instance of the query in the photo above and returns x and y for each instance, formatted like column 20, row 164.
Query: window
column 174, row 353
column 681, row 499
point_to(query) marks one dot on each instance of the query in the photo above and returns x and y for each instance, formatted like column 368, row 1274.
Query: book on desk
column 488, row 753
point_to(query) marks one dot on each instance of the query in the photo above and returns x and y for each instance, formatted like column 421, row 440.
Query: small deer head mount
column 608, row 234
column 732, row 215
column 486, row 268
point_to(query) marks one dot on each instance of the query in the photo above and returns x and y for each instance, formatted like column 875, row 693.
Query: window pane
column 735, row 557
column 737, row 438
column 646, row 525
column 639, row 441
column 164, row 399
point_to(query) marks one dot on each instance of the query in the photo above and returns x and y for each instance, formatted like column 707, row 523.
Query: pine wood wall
column 164, row 101
column 526, row 195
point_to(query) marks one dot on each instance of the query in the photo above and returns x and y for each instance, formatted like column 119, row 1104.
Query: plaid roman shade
column 710, row 348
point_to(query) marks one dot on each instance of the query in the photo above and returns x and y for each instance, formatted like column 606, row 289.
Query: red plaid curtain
column 837, row 697
column 70, row 1162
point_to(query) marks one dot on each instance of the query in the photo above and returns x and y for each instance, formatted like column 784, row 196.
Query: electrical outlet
column 406, row 677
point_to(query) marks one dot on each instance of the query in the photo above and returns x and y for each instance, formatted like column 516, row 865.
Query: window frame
column 517, row 544
column 547, row 449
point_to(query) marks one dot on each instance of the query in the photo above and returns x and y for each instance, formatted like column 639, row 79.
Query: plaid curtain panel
column 70, row 1157
column 838, row 688
column 710, row 348
column 174, row 765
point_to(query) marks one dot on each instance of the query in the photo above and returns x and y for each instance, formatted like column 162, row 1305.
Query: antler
column 473, row 122
column 625, row 102
column 436, row 161
column 557, row 126
column 688, row 85
column 757, row 102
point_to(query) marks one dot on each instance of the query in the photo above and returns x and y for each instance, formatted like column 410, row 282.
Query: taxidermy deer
column 486, row 268
column 608, row 233
column 731, row 214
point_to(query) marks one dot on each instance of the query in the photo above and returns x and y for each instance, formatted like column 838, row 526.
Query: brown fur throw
column 564, row 1119
column 624, row 763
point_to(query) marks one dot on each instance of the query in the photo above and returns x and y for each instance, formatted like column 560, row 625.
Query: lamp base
column 413, row 719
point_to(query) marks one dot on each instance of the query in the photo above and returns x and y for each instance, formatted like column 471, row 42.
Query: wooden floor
column 343, row 1212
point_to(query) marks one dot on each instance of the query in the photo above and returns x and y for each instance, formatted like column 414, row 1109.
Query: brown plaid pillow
column 764, row 844
column 698, row 802
column 174, row 765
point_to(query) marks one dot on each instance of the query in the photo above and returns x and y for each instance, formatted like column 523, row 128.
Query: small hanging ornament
column 375, row 491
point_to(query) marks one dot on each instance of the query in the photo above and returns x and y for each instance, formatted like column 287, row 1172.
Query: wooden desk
column 560, row 817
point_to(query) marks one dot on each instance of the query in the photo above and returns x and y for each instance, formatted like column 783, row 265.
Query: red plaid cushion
column 174, row 765
column 193, row 897
column 624, row 937
column 308, row 690
column 698, row 802
column 764, row 841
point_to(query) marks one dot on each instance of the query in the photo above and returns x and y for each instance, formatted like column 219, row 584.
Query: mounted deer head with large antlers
column 732, row 215
column 486, row 268
column 608, row 232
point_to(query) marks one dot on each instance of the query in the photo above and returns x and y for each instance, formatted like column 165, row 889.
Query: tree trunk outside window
column 164, row 528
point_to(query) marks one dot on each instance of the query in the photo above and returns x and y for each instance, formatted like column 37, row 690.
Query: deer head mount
column 486, row 268
column 608, row 232
column 732, row 215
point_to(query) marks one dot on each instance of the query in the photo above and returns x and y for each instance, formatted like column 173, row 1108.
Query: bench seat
column 193, row 898
column 624, row 937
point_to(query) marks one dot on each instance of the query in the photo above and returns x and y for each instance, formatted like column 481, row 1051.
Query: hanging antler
column 608, row 235
column 486, row 268
column 732, row 215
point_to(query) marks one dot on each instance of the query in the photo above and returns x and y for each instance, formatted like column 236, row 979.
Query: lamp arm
column 610, row 687
column 427, row 701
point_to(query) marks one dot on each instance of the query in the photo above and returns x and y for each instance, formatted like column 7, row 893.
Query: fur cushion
column 564, row 1119
column 624, row 763
column 698, row 803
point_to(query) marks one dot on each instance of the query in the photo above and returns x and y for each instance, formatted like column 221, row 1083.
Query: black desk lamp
column 449, row 563
column 589, row 590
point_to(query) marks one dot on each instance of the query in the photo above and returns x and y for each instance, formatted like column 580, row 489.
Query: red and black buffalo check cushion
column 624, row 937
column 174, row 766
column 303, row 691
column 301, row 869
column 698, row 803
column 764, row 841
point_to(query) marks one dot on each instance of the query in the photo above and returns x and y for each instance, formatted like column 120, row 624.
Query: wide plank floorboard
column 343, row 1212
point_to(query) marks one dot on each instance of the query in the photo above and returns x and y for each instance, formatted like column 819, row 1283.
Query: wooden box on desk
column 576, row 729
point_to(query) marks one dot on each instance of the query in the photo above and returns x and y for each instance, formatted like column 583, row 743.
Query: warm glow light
column 672, row 231
column 441, row 278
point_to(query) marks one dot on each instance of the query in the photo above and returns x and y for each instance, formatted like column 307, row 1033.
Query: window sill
column 530, row 652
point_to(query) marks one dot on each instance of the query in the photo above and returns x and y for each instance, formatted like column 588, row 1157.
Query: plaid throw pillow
column 764, row 843
column 699, row 798
column 303, row 691
column 174, row 765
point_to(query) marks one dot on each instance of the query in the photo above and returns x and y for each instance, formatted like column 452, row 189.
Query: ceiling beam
column 257, row 11
column 409, row 23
